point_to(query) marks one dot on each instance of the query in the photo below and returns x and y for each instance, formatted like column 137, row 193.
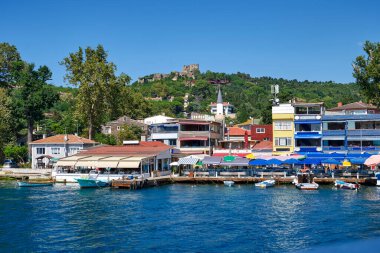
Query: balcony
column 333, row 133
column 364, row 132
column 351, row 148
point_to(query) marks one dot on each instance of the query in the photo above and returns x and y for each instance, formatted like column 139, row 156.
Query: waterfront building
column 46, row 150
column 308, row 126
column 142, row 159
column 262, row 133
column 351, row 128
column 164, row 132
column 197, row 136
column 283, row 129
column 236, row 138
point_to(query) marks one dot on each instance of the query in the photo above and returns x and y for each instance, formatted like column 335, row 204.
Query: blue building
column 308, row 127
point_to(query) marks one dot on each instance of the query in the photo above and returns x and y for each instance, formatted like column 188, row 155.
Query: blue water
column 183, row 218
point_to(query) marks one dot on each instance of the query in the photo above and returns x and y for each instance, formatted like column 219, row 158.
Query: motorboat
column 266, row 183
column 378, row 178
column 92, row 181
column 33, row 184
column 229, row 183
column 348, row 186
column 307, row 186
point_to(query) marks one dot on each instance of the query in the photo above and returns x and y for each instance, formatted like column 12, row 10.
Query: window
column 118, row 128
column 266, row 139
column 285, row 141
column 40, row 151
column 173, row 142
column 73, row 150
column 260, row 130
column 107, row 130
column 55, row 151
column 282, row 125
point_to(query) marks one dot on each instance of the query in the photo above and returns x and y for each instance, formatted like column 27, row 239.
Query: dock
column 134, row 184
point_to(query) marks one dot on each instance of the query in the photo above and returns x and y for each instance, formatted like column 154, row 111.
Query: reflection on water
column 192, row 218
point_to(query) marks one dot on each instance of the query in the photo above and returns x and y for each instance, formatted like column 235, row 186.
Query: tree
column 18, row 153
column 6, row 119
column 34, row 95
column 9, row 56
column 367, row 72
column 99, row 87
column 128, row 132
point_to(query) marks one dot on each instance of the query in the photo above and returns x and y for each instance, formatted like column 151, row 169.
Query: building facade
column 262, row 133
column 113, row 127
column 308, row 127
column 55, row 147
column 283, row 129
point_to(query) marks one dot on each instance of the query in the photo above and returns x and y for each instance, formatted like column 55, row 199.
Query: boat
column 33, row 184
column 378, row 178
column 307, row 186
column 266, row 183
column 91, row 183
column 304, row 181
column 343, row 185
column 229, row 183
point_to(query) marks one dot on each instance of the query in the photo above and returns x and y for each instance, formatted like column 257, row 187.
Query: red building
column 262, row 132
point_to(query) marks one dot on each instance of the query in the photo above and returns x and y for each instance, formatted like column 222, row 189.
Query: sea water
column 184, row 218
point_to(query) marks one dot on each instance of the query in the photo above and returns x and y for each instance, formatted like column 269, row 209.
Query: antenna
column 275, row 89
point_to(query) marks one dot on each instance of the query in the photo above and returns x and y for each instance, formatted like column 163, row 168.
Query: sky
column 315, row 40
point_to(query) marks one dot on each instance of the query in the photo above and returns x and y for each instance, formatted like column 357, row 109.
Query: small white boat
column 307, row 186
column 229, row 183
column 348, row 186
column 266, row 183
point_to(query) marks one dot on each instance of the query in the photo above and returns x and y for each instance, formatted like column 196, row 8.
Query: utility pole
column 275, row 89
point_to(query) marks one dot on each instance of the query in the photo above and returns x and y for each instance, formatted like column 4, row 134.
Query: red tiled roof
column 60, row 138
column 237, row 131
column 356, row 105
column 263, row 145
column 144, row 148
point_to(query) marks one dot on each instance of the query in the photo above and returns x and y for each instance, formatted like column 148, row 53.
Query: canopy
column 212, row 160
column 309, row 161
column 229, row 158
column 307, row 136
column 290, row 161
column 109, row 162
column 258, row 162
column 330, row 161
column 372, row 160
column 238, row 161
column 130, row 162
column 188, row 160
column 69, row 161
column 274, row 161
column 44, row 156
column 91, row 161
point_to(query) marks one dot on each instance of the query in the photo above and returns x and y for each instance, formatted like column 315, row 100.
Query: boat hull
column 91, row 183
column 307, row 186
column 266, row 184
column 28, row 184
column 346, row 186
column 229, row 183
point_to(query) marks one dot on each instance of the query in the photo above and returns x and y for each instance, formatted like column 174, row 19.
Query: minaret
column 219, row 103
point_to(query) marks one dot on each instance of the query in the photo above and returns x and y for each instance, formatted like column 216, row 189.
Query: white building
column 55, row 147
column 157, row 119
column 221, row 108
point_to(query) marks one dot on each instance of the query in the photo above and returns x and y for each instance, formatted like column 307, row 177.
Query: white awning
column 69, row 161
column 91, row 161
column 188, row 160
column 110, row 162
column 130, row 163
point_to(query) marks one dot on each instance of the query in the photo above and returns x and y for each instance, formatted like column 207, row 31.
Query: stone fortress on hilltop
column 188, row 71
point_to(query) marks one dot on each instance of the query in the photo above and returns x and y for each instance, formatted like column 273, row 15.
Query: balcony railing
column 333, row 132
column 351, row 148
column 363, row 132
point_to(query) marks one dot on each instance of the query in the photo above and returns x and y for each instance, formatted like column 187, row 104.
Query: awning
column 89, row 161
column 194, row 123
column 188, row 160
column 69, row 161
column 307, row 136
column 212, row 160
column 307, row 122
column 44, row 156
column 130, row 163
column 239, row 161
column 193, row 139
column 110, row 162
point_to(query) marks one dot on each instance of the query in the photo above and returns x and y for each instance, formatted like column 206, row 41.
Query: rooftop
column 237, row 131
column 60, row 139
column 263, row 145
column 353, row 106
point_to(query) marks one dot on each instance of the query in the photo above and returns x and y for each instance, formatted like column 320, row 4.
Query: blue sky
column 304, row 40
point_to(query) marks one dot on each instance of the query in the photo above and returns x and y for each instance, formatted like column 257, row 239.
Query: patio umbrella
column 372, row 160
column 258, row 162
column 250, row 156
column 330, row 161
column 346, row 163
column 309, row 161
column 274, row 161
column 359, row 160
column 229, row 158
column 290, row 161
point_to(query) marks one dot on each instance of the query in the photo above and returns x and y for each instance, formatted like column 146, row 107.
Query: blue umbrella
column 258, row 162
column 309, row 161
column 359, row 160
column 274, row 161
column 291, row 161
column 330, row 161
